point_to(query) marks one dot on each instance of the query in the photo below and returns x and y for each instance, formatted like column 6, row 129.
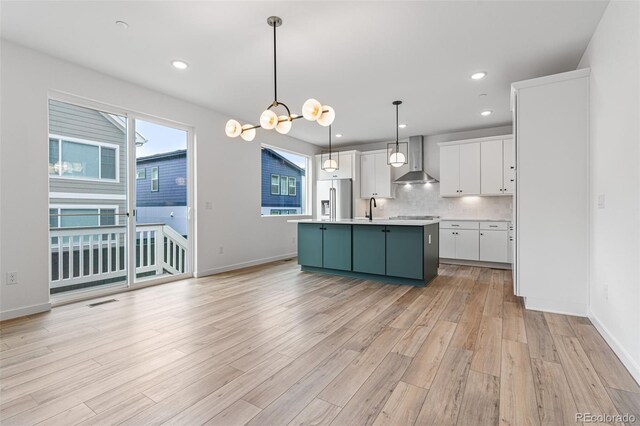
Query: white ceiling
column 356, row 56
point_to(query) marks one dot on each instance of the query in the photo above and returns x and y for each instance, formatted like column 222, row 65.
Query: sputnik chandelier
column 312, row 110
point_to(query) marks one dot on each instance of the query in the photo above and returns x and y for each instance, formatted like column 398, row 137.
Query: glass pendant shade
column 327, row 117
column 284, row 124
column 311, row 109
column 330, row 165
column 247, row 133
column 268, row 120
column 233, row 128
column 397, row 159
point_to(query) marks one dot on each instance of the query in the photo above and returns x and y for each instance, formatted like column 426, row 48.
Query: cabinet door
column 336, row 247
column 345, row 169
column 405, row 251
column 448, row 243
column 469, row 169
column 467, row 244
column 494, row 246
column 382, row 176
column 310, row 244
column 369, row 249
column 367, row 175
column 509, row 165
column 450, row 170
column 491, row 168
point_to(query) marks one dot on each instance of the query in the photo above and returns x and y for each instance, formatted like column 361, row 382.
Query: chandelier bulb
column 311, row 109
column 327, row 116
column 268, row 120
column 248, row 132
column 233, row 128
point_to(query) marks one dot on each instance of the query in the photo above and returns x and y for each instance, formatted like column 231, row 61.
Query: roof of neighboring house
column 121, row 123
column 288, row 162
column 162, row 156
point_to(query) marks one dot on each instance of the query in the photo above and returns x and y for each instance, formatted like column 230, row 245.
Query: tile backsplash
column 424, row 199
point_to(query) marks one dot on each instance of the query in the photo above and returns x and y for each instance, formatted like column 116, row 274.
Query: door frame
column 131, row 116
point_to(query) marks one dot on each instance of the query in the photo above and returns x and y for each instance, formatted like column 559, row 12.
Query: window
column 82, row 159
column 285, row 187
column 275, row 184
column 292, row 186
column 154, row 179
column 141, row 174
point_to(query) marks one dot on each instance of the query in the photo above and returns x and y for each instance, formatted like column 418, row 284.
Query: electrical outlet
column 208, row 205
column 221, row 250
column 12, row 278
column 606, row 291
column 293, row 240
column 601, row 201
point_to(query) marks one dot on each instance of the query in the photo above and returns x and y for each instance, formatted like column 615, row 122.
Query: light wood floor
column 274, row 346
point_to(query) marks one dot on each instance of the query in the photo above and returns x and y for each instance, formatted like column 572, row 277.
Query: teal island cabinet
column 402, row 252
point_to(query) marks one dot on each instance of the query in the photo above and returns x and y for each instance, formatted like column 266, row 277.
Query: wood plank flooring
column 271, row 345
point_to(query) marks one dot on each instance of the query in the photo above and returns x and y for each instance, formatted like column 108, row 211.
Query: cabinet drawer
column 494, row 226
column 451, row 224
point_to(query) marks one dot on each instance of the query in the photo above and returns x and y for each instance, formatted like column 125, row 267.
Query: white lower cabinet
column 471, row 240
column 494, row 246
column 459, row 244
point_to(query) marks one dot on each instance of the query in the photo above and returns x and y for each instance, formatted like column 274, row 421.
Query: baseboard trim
column 623, row 355
column 233, row 267
column 494, row 265
column 556, row 307
column 27, row 310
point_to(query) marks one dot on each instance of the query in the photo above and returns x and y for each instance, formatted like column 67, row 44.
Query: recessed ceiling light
column 479, row 75
column 402, row 126
column 122, row 24
column 485, row 113
column 338, row 135
column 181, row 65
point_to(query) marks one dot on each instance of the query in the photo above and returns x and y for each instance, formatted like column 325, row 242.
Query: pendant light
column 330, row 164
column 312, row 110
column 395, row 156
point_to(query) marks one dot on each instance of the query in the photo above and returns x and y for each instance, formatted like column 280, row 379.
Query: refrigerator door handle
column 332, row 204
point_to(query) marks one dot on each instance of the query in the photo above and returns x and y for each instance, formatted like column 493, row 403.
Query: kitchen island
column 394, row 251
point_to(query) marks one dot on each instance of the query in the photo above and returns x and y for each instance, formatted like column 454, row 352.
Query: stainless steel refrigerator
column 335, row 199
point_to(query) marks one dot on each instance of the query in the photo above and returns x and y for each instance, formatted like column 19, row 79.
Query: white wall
column 425, row 199
column 614, row 57
column 227, row 174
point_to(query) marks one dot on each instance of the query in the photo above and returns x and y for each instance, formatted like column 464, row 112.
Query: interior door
column 491, row 167
column 470, row 168
column 450, row 170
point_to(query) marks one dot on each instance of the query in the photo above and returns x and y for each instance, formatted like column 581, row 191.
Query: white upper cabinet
column 509, row 165
column 483, row 166
column 460, row 170
column 470, row 169
column 491, row 167
column 345, row 166
column 450, row 171
column 375, row 175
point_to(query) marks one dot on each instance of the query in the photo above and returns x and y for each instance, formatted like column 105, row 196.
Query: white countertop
column 455, row 219
column 367, row 222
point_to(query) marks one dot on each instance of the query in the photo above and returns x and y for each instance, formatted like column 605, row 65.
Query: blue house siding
column 274, row 164
column 172, row 180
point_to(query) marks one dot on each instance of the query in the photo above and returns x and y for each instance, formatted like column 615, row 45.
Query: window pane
column 141, row 174
column 283, row 183
column 53, row 220
column 107, row 217
column 292, row 187
column 154, row 173
column 54, row 156
column 79, row 160
column 108, row 163
column 79, row 217
column 275, row 184
column 154, row 179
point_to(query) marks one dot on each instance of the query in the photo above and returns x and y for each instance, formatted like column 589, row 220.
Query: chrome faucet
column 371, row 208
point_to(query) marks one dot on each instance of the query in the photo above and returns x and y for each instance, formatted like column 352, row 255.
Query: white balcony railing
column 97, row 255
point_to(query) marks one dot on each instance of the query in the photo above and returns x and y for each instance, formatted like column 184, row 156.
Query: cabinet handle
column 481, row 233
column 493, row 226
column 512, row 167
column 512, row 180
column 383, row 230
column 455, row 225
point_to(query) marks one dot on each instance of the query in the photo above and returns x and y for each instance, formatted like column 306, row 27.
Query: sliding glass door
column 119, row 194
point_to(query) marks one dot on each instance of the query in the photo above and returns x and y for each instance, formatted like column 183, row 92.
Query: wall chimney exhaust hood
column 416, row 173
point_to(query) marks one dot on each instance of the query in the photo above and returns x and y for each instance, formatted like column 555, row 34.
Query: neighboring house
column 87, row 166
column 161, row 189
column 281, row 184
